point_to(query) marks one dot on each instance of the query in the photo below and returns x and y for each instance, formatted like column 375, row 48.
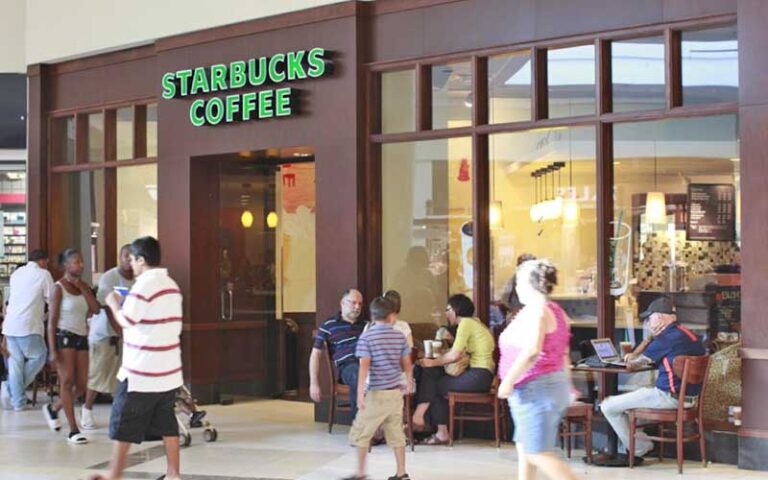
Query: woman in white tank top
column 72, row 303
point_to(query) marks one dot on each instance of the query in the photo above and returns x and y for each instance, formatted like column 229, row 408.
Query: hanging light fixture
column 571, row 210
column 655, row 204
column 246, row 218
column 495, row 219
column 272, row 219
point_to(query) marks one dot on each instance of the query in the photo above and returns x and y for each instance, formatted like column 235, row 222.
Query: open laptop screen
column 604, row 349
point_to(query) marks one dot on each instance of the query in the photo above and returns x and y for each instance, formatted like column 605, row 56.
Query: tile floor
column 276, row 440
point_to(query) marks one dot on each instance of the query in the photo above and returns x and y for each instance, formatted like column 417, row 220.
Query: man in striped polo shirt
column 339, row 334
column 385, row 354
column 151, row 319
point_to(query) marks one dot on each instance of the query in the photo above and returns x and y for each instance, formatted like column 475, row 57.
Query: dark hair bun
column 543, row 276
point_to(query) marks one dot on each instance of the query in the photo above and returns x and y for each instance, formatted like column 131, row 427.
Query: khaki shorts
column 103, row 363
column 382, row 408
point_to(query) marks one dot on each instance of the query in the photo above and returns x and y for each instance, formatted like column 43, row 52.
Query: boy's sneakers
column 51, row 417
column 5, row 397
column 86, row 418
column 404, row 476
column 77, row 438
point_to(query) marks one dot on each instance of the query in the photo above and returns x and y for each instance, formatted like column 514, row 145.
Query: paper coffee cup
column 428, row 349
column 122, row 290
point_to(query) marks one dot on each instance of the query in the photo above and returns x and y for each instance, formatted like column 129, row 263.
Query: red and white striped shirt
column 151, row 320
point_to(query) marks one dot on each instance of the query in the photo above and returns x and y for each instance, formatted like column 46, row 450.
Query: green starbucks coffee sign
column 274, row 71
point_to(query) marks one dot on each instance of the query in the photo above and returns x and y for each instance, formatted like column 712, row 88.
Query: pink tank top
column 553, row 350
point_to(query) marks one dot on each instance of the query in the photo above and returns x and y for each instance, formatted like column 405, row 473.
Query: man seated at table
column 668, row 340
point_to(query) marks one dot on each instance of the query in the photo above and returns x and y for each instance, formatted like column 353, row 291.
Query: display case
column 14, row 247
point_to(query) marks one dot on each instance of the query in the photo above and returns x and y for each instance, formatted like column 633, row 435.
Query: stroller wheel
column 185, row 439
column 210, row 435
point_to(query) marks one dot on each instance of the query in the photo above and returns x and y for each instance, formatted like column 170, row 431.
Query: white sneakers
column 5, row 397
column 86, row 419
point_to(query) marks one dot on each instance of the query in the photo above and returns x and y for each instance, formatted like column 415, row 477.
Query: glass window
column 543, row 202
column 63, row 141
column 638, row 73
column 80, row 206
column 571, row 81
column 152, row 130
column 124, row 133
column 509, row 87
column 677, row 215
column 136, row 203
column 452, row 95
column 427, row 223
column 398, row 101
column 96, row 137
column 710, row 66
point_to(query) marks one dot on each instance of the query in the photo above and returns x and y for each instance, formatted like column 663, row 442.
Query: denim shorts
column 537, row 408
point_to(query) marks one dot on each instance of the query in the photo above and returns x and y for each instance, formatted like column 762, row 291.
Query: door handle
column 223, row 313
column 231, row 305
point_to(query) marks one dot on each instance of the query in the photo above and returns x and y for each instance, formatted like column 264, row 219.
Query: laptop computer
column 607, row 353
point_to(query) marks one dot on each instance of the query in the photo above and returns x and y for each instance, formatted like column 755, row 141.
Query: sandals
column 77, row 438
column 405, row 476
column 434, row 440
column 51, row 417
column 355, row 477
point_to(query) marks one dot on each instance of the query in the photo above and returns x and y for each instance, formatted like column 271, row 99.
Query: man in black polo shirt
column 339, row 333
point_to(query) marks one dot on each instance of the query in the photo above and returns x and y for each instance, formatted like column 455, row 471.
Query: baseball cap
column 661, row 304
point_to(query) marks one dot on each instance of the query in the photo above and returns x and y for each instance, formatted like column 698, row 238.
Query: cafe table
column 613, row 459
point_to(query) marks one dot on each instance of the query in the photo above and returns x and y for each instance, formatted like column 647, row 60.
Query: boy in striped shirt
column 385, row 354
column 151, row 319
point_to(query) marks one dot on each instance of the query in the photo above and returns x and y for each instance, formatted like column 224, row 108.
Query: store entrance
column 264, row 246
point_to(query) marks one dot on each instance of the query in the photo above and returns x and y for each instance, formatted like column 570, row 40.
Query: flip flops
column 434, row 440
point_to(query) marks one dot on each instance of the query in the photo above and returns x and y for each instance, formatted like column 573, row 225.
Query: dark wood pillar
column 37, row 151
column 753, row 118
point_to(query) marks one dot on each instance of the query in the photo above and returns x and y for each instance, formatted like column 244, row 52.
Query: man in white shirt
column 31, row 288
column 151, row 371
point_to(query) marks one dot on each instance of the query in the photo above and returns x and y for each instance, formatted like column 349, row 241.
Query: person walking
column 151, row 370
column 31, row 288
column 72, row 303
column 384, row 353
column 104, row 353
column 535, row 372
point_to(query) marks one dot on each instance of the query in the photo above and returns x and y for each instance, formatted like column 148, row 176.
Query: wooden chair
column 496, row 414
column 691, row 371
column 407, row 421
column 579, row 413
column 339, row 391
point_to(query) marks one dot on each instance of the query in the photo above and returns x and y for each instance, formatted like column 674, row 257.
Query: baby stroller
column 189, row 417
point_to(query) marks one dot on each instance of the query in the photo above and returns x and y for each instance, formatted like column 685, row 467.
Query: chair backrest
column 692, row 370
column 328, row 362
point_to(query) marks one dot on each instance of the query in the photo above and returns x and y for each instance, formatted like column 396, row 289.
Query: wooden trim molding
column 753, row 353
column 383, row 7
column 97, row 166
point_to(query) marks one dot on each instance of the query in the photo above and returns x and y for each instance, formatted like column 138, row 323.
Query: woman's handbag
column 458, row 367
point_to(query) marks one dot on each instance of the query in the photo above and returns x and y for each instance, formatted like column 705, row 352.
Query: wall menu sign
column 711, row 212
column 274, row 71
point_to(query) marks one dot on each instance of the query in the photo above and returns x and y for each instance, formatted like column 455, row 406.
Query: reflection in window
column 571, row 81
column 426, row 223
column 548, row 214
column 124, row 133
column 710, row 66
column 152, row 130
column 398, row 101
column 638, row 73
column 136, row 203
column 509, row 87
column 693, row 247
column 96, row 137
column 452, row 95
column 80, row 207
column 64, row 140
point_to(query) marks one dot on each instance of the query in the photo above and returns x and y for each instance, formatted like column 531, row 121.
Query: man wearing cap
column 668, row 340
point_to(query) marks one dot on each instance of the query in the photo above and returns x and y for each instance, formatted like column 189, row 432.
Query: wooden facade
column 342, row 123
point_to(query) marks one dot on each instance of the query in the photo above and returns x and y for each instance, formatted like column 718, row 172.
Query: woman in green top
column 474, row 339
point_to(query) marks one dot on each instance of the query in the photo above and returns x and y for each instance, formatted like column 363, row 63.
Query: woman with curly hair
column 535, row 371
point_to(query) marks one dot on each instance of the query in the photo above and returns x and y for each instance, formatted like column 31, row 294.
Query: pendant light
column 246, row 218
column 655, row 204
column 571, row 210
column 272, row 219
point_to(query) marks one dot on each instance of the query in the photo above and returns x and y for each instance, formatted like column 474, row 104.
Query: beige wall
column 12, row 36
column 74, row 28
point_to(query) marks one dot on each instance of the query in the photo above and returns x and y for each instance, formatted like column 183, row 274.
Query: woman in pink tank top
column 535, row 371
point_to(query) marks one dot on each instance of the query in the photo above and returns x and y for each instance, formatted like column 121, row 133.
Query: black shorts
column 139, row 416
column 67, row 339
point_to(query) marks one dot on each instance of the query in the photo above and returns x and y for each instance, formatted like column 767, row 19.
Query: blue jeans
column 348, row 374
column 28, row 355
column 537, row 408
column 615, row 410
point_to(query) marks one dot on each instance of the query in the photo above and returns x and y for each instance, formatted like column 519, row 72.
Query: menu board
column 711, row 212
